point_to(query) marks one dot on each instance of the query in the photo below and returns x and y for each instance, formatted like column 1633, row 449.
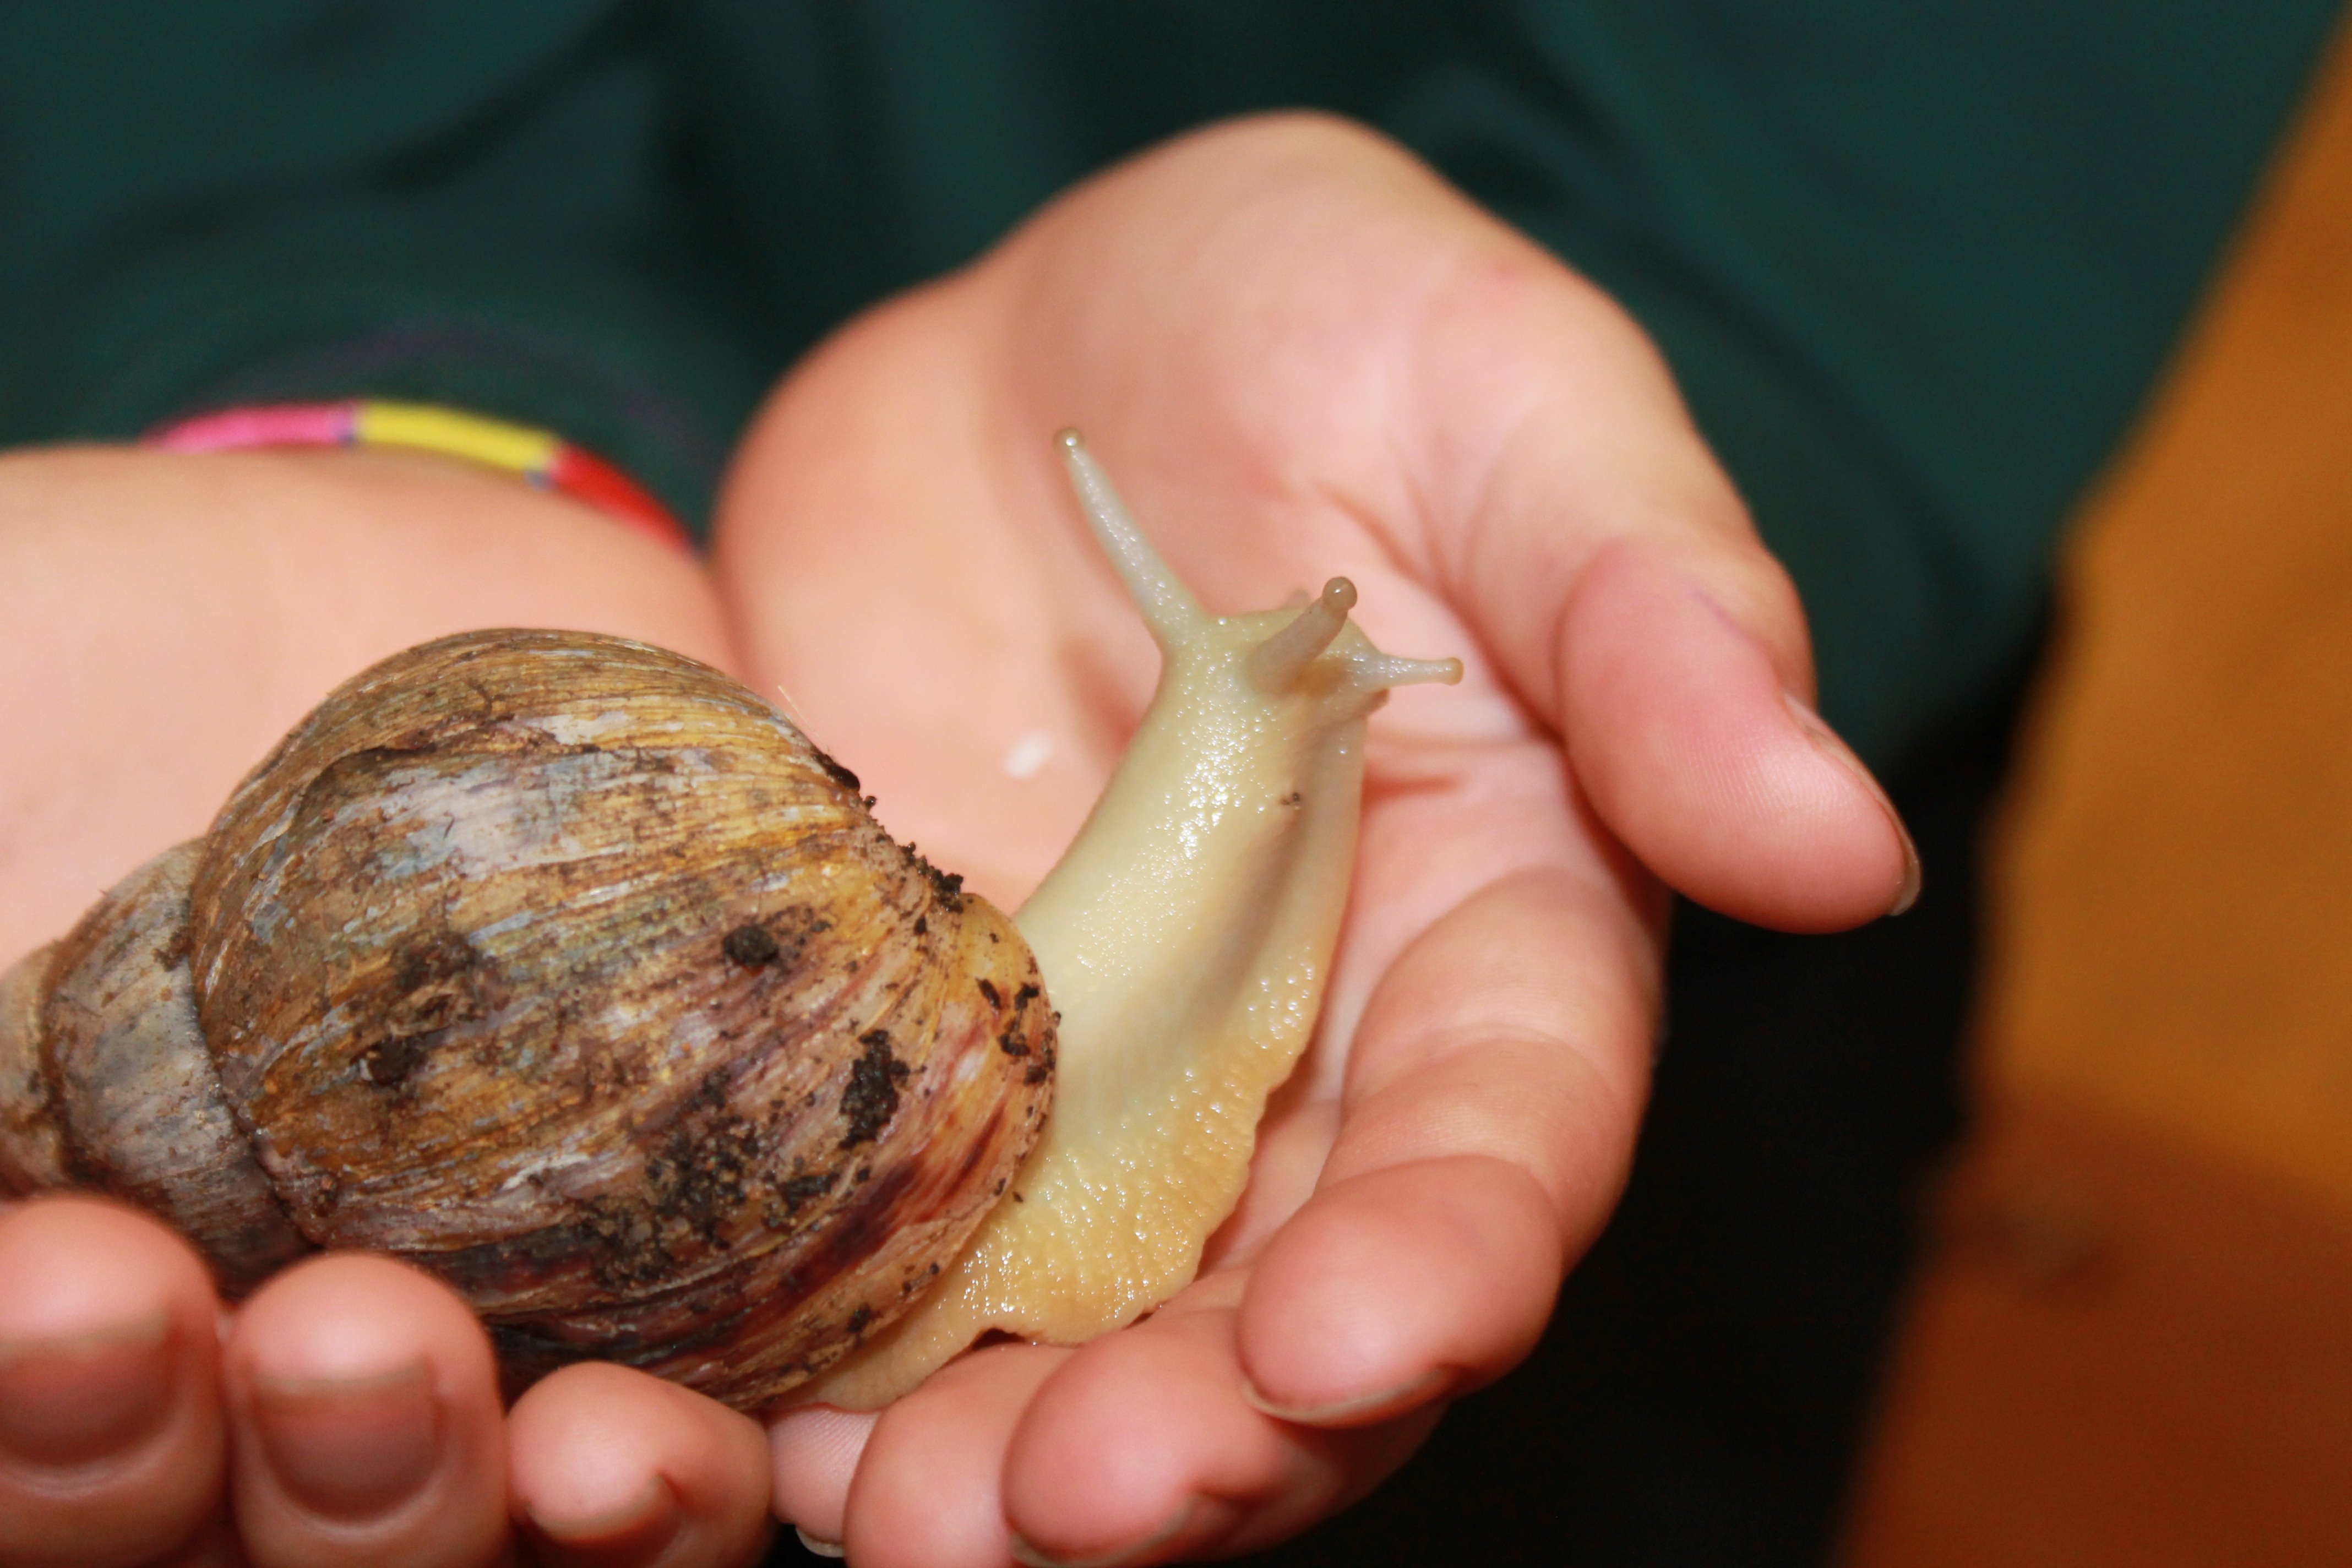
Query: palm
column 923, row 593
column 901, row 559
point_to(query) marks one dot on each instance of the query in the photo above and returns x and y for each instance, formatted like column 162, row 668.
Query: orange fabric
column 2173, row 939
column 2132, row 1343
column 2120, row 1358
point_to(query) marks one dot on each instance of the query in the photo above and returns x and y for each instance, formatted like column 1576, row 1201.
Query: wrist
column 537, row 457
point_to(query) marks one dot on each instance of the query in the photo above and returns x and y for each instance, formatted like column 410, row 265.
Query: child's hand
column 347, row 1413
column 166, row 619
column 1298, row 355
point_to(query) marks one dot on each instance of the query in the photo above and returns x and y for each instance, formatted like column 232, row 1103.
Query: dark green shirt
column 1914, row 263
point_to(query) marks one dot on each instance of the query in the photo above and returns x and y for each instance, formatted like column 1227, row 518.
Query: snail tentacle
column 1380, row 671
column 1172, row 615
column 1276, row 663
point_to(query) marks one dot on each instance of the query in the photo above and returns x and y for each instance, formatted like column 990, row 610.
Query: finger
column 814, row 1450
column 1370, row 1279
column 1491, row 1104
column 610, row 1467
column 111, row 1440
column 1143, row 1450
column 364, row 1421
column 1577, row 514
column 1711, row 769
column 930, row 1487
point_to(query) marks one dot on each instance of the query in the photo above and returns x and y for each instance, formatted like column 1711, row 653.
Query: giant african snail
column 568, row 969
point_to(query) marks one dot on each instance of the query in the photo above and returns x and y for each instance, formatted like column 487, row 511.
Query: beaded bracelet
column 544, row 461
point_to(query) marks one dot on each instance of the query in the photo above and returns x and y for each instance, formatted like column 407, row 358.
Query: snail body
column 567, row 968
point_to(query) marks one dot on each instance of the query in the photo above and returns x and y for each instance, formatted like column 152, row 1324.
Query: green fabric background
column 1915, row 264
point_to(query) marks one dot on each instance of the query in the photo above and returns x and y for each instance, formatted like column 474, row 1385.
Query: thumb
column 1617, row 578
column 1713, row 772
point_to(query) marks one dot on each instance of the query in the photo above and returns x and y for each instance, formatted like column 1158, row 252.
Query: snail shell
column 568, row 969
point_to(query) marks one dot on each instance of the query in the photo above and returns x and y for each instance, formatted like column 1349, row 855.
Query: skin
column 1300, row 354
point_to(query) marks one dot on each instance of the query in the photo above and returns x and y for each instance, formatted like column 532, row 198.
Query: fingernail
column 1030, row 1557
column 1909, row 893
column 349, row 1447
column 819, row 1545
column 71, row 1399
column 1361, row 1410
column 1826, row 741
column 636, row 1531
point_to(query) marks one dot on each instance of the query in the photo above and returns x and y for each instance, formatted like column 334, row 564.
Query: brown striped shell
column 566, row 968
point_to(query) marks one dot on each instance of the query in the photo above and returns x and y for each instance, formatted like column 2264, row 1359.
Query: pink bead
column 287, row 425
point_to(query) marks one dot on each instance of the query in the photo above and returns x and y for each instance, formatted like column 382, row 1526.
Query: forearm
column 168, row 617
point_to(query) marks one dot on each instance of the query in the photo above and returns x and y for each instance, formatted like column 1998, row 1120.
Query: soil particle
column 440, row 957
column 948, row 886
column 871, row 1099
column 839, row 773
column 777, row 941
column 801, row 1189
column 437, row 983
column 390, row 1062
column 751, row 947
column 703, row 1172
column 987, row 989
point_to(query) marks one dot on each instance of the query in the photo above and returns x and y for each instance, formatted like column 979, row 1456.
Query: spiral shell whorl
column 32, row 1146
column 133, row 1088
